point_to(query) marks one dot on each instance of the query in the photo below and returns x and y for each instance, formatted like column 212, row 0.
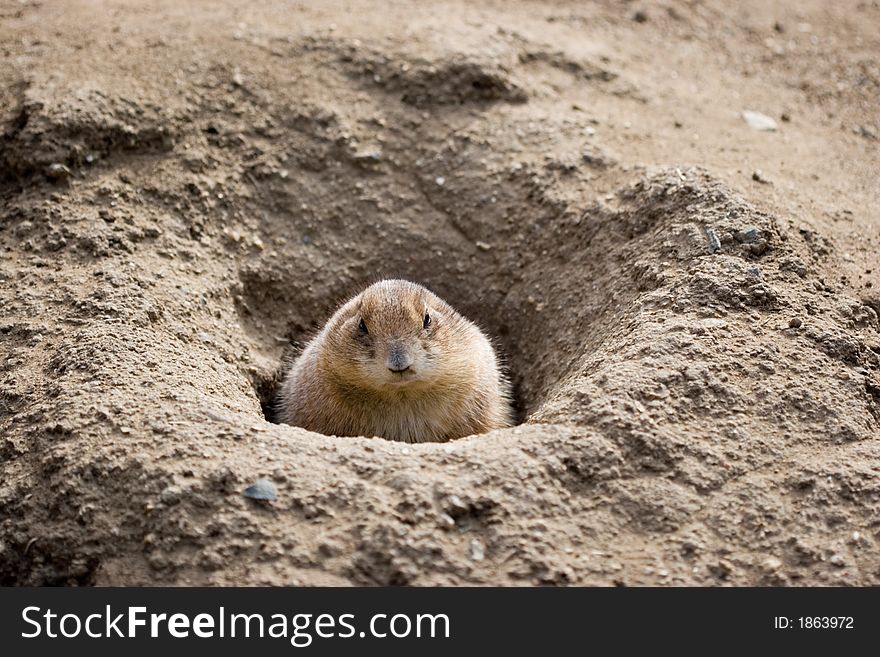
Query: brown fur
column 341, row 384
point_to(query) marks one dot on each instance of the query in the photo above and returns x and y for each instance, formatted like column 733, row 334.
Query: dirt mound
column 454, row 81
column 82, row 126
column 697, row 374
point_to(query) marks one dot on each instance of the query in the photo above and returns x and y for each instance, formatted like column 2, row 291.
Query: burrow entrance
column 547, row 281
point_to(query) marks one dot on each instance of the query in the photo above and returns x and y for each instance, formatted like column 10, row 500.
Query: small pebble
column 170, row 496
column 446, row 520
column 714, row 242
column 440, row 180
column 368, row 157
column 758, row 176
column 262, row 489
column 455, row 504
column 795, row 323
column 758, row 121
column 477, row 551
column 57, row 171
column 748, row 234
column 771, row 564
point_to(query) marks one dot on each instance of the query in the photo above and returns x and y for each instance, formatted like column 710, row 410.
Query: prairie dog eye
column 427, row 321
column 362, row 327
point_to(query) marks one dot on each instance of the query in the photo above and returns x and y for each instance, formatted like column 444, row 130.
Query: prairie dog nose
column 398, row 360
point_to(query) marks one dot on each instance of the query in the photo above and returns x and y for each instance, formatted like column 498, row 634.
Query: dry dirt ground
column 688, row 306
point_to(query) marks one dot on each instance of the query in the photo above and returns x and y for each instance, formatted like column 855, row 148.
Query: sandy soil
column 688, row 306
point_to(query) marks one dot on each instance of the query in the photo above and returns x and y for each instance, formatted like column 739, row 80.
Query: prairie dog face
column 397, row 361
column 396, row 335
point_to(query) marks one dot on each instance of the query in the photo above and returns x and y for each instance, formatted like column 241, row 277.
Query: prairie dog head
column 397, row 335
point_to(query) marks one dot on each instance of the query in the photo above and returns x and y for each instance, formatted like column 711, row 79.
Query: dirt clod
column 262, row 489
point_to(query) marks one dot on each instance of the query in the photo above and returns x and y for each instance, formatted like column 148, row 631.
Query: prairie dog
column 397, row 361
